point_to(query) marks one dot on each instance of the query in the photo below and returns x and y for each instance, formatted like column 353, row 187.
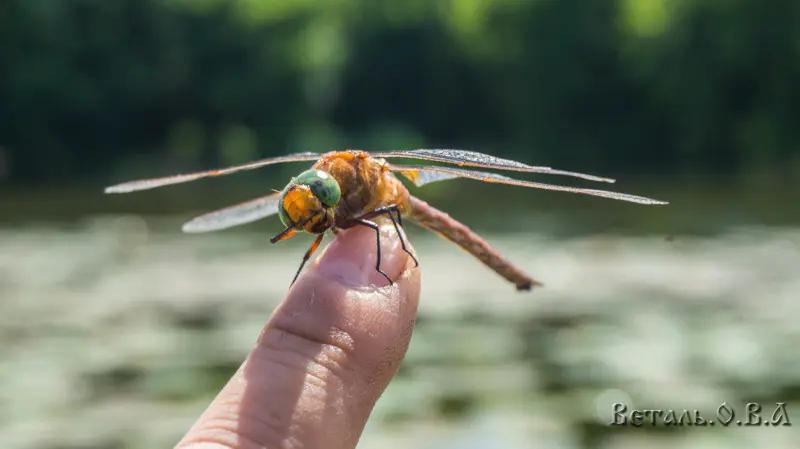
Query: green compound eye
column 284, row 216
column 322, row 185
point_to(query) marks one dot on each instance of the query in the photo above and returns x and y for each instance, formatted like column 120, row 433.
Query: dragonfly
column 347, row 188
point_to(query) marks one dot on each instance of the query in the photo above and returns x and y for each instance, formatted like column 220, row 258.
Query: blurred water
column 117, row 333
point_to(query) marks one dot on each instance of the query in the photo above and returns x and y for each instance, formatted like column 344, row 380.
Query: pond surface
column 116, row 332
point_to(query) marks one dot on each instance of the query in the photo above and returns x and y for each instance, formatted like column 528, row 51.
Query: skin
column 325, row 355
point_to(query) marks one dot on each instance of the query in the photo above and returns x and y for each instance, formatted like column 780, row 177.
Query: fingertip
column 352, row 255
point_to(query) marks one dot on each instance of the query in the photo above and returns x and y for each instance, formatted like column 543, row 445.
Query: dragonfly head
column 307, row 203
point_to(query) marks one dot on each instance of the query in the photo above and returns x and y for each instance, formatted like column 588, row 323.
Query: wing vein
column 475, row 159
column 152, row 183
column 424, row 174
column 236, row 215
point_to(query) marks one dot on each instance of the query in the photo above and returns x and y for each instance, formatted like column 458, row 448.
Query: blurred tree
column 656, row 86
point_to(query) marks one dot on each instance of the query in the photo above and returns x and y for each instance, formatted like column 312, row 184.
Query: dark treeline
column 89, row 88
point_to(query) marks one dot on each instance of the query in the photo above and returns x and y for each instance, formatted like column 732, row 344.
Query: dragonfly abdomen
column 447, row 227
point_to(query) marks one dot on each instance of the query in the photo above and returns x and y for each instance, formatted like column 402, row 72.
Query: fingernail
column 351, row 257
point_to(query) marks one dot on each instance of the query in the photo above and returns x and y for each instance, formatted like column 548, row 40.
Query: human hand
column 325, row 356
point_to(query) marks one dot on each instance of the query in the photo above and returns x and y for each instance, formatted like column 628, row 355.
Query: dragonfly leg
column 307, row 256
column 283, row 235
column 377, row 230
column 395, row 208
column 388, row 211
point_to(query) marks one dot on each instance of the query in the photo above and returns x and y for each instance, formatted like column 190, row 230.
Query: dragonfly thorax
column 307, row 203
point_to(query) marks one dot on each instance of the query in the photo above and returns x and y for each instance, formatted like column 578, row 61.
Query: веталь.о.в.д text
column 773, row 414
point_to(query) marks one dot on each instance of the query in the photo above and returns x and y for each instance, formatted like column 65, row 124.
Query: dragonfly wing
column 475, row 159
column 145, row 184
column 423, row 177
column 236, row 215
column 418, row 171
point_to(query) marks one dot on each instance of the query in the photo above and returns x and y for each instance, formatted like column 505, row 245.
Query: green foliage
column 91, row 88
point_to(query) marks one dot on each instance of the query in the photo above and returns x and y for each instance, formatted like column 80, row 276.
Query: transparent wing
column 145, row 184
column 475, row 159
column 422, row 177
column 236, row 215
column 433, row 174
